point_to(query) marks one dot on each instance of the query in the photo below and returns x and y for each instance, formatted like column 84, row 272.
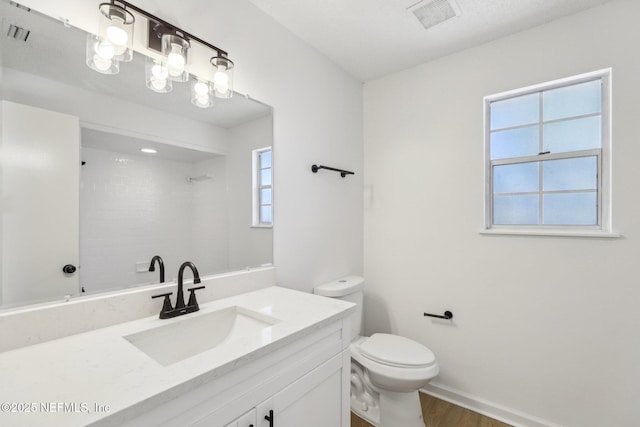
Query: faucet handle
column 166, row 306
column 192, row 297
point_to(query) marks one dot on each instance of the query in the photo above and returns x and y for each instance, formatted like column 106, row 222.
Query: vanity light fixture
column 175, row 50
column 114, row 42
column 101, row 56
column 149, row 150
column 222, row 77
column 116, row 29
column 170, row 58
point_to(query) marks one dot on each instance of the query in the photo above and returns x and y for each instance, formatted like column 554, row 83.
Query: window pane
column 265, row 196
column 570, row 174
column 265, row 177
column 265, row 159
column 570, row 209
column 516, row 178
column 575, row 100
column 515, row 143
column 573, row 135
column 265, row 214
column 521, row 110
column 515, row 209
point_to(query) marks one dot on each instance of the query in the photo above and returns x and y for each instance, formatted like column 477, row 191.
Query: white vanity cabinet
column 311, row 401
column 303, row 383
column 314, row 400
column 247, row 420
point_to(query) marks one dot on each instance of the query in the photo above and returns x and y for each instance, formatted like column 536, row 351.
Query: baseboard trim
column 501, row 413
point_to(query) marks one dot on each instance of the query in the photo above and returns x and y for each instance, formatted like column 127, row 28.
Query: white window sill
column 549, row 232
column 261, row 226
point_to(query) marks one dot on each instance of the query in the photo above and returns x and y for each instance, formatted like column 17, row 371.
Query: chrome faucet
column 181, row 308
column 160, row 263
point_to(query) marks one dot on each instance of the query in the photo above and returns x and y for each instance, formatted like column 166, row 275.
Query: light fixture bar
column 172, row 28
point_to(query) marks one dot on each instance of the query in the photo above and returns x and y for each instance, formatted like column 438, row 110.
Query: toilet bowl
column 386, row 370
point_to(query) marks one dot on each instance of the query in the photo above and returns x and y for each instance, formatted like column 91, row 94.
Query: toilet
column 386, row 370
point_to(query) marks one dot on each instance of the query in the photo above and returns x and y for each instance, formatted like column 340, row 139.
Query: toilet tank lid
column 340, row 287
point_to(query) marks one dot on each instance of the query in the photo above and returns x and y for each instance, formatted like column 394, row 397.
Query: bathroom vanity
column 274, row 357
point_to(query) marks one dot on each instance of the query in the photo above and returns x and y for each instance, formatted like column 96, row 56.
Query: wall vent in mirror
column 18, row 33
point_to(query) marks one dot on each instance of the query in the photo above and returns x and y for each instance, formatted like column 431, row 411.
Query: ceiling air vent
column 435, row 12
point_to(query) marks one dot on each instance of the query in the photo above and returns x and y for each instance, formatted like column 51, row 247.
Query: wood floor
column 438, row 413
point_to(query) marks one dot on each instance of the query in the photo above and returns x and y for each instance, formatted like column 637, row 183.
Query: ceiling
column 373, row 38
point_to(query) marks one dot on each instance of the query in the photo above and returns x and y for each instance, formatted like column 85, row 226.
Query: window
column 262, row 188
column 547, row 157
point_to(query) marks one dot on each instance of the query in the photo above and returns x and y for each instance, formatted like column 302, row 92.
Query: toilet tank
column 348, row 288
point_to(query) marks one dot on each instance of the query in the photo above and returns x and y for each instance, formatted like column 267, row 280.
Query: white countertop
column 84, row 378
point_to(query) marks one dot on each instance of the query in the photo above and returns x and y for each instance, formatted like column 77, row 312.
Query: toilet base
column 370, row 414
column 400, row 409
column 396, row 409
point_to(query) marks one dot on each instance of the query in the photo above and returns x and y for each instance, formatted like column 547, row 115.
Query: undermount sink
column 192, row 335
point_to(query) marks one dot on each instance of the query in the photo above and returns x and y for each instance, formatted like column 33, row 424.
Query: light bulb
column 159, row 84
column 104, row 49
column 102, row 64
column 176, row 61
column 202, row 101
column 201, row 88
column 221, row 78
column 159, row 72
column 117, row 36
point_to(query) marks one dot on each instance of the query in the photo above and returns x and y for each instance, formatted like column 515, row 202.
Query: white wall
column 211, row 223
column 317, row 119
column 248, row 246
column 113, row 115
column 134, row 207
column 545, row 330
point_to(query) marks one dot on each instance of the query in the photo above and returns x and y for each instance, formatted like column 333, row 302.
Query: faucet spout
column 160, row 263
column 196, row 279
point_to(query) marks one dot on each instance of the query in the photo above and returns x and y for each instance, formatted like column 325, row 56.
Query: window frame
column 604, row 226
column 258, row 185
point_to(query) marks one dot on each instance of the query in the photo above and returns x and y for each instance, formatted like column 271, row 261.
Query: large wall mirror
column 77, row 191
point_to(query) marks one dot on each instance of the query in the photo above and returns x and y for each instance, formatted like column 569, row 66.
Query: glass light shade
column 201, row 95
column 157, row 75
column 116, row 28
column 222, row 76
column 100, row 56
column 175, row 50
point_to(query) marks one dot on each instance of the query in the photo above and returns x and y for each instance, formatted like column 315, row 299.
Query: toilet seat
column 397, row 351
column 384, row 375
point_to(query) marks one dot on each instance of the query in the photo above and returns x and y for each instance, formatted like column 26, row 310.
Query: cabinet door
column 247, row 420
column 314, row 400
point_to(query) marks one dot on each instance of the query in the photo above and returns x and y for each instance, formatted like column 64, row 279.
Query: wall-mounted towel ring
column 447, row 315
column 343, row 173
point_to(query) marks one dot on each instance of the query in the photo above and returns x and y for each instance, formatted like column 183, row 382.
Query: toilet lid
column 394, row 350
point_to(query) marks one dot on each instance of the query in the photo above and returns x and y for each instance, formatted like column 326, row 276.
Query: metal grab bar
column 343, row 173
column 447, row 315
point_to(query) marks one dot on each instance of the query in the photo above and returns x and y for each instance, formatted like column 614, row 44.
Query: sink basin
column 194, row 334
